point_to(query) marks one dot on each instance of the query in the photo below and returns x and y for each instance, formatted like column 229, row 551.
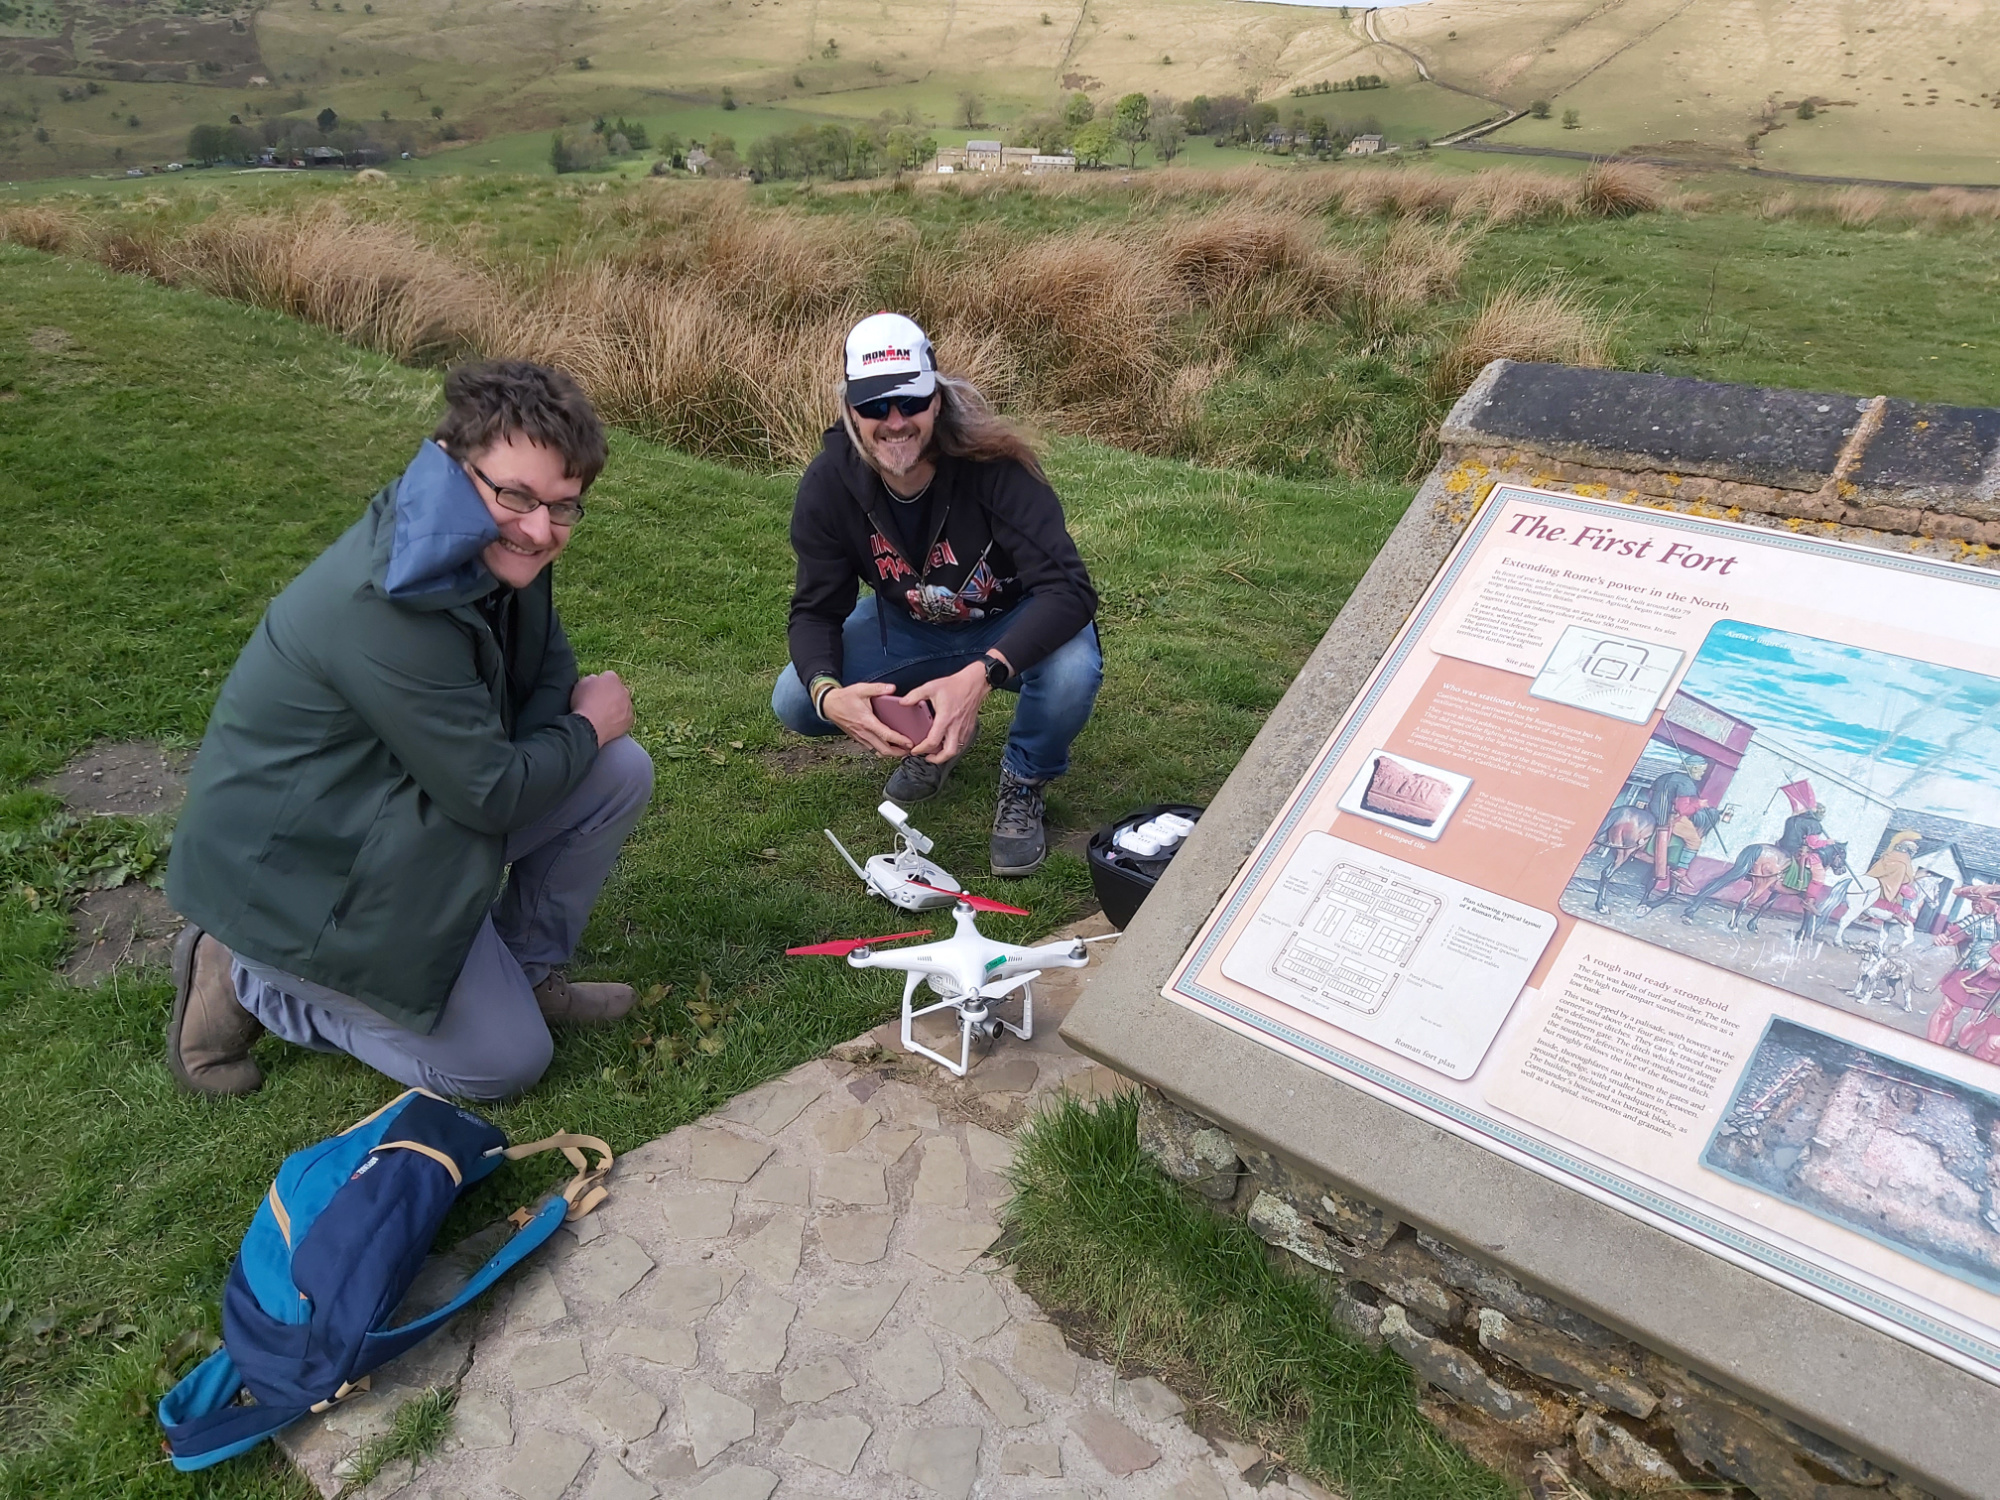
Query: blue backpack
column 330, row 1253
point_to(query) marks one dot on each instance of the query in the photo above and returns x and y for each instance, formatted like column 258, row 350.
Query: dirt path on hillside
column 1423, row 68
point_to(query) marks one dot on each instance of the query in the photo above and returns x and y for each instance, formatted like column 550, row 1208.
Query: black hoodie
column 998, row 546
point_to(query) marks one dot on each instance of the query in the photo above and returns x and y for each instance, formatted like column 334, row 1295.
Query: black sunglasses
column 909, row 406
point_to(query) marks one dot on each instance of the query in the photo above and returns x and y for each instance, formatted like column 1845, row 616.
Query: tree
column 909, row 147
column 1129, row 119
column 728, row 97
column 576, row 151
column 326, row 120
column 1572, row 119
column 634, row 132
column 1045, row 133
column 1078, row 110
column 1197, row 114
column 1319, row 132
column 213, row 143
column 1168, row 130
column 968, row 109
column 385, row 115
column 1539, row 109
column 437, row 111
column 1093, row 142
column 1807, row 109
column 618, row 145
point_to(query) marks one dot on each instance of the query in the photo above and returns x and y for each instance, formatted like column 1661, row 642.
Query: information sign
column 1662, row 854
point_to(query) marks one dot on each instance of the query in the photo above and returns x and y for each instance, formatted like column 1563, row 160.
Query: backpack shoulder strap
column 385, row 1344
column 578, row 1197
column 582, row 1192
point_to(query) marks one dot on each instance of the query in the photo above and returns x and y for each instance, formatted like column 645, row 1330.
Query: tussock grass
column 699, row 318
column 1862, row 207
column 703, row 321
column 1551, row 324
column 1101, row 1238
column 1502, row 195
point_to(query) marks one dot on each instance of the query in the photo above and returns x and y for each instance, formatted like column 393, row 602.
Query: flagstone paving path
column 794, row 1298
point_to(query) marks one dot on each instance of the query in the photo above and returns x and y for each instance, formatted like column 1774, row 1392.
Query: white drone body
column 974, row 973
column 904, row 878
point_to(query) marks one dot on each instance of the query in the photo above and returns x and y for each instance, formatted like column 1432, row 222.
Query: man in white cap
column 924, row 493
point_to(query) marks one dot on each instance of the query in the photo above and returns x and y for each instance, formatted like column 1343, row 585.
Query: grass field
column 170, row 461
column 1871, row 291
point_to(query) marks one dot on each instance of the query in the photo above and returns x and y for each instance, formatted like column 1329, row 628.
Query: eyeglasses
column 561, row 512
column 909, row 406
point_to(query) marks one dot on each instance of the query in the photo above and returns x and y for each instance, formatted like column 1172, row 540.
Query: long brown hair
column 967, row 427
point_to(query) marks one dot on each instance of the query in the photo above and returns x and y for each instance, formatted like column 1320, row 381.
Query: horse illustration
column 1631, row 829
column 1863, row 897
column 1763, row 865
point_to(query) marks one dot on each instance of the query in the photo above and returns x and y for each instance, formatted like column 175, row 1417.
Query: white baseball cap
column 889, row 355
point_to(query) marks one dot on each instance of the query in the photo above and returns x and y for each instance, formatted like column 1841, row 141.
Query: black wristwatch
column 997, row 671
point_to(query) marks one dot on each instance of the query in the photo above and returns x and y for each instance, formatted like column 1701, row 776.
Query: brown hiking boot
column 567, row 1004
column 209, row 1034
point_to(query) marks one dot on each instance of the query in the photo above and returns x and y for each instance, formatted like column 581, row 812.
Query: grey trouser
column 491, row 1040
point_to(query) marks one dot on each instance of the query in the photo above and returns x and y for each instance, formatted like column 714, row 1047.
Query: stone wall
column 1906, row 475
column 1531, row 1386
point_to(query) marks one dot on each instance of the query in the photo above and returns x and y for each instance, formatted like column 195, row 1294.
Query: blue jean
column 491, row 1040
column 1057, row 693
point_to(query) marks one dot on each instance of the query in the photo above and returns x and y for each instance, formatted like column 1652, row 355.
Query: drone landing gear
column 976, row 1020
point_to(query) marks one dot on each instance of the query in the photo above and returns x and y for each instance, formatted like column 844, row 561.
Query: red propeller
column 977, row 903
column 841, row 947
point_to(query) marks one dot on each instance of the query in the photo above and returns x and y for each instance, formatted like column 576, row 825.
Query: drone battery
column 1124, row 877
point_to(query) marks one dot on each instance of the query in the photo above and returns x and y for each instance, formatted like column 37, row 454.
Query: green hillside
column 1896, row 90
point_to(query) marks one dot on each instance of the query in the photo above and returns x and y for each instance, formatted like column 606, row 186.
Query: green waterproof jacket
column 371, row 751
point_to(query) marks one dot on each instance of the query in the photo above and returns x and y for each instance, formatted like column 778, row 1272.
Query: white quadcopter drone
column 904, row 878
column 969, row 970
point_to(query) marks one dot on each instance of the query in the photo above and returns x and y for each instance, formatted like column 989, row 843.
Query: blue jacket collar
column 441, row 528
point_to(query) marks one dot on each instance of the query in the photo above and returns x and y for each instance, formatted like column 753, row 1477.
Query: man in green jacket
column 406, row 722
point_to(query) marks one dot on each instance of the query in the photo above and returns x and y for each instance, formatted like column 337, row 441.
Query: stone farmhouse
column 993, row 156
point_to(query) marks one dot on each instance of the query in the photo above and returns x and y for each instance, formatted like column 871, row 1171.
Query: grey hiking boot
column 209, row 1034
column 917, row 780
column 583, row 1004
column 1019, row 842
